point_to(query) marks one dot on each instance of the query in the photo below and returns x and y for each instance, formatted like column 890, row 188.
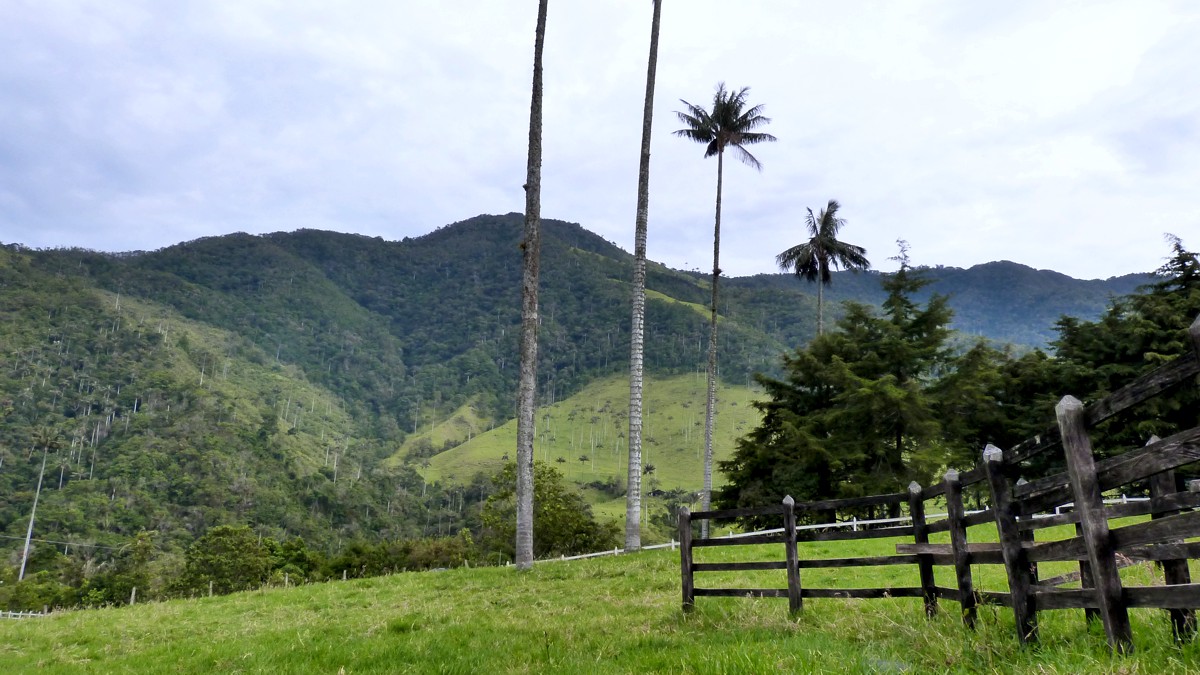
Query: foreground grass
column 607, row 615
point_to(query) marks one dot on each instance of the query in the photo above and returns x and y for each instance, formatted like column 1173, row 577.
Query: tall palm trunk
column 531, row 253
column 820, row 308
column 633, row 493
column 710, row 406
column 32, row 514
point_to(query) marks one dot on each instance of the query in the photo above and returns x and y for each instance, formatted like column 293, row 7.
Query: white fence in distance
column 853, row 523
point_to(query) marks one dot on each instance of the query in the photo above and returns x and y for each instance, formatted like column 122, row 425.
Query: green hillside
column 345, row 388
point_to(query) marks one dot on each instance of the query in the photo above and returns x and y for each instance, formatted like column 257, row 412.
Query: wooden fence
column 1019, row 508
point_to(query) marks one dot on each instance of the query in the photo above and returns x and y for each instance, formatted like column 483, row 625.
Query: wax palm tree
column 531, row 253
column 730, row 124
column 633, row 492
column 814, row 259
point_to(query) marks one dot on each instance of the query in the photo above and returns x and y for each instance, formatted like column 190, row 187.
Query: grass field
column 584, row 437
column 605, row 615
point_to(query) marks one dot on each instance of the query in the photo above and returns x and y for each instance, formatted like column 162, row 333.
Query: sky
column 1061, row 135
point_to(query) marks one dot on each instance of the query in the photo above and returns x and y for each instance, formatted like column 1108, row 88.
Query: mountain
column 337, row 386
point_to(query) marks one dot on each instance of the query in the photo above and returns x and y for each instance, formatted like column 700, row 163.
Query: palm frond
column 745, row 157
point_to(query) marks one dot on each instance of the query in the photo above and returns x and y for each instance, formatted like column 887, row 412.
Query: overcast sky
column 1061, row 135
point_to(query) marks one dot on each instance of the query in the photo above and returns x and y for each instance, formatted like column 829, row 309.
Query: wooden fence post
column 1090, row 614
column 795, row 602
column 1089, row 504
column 916, row 510
column 1028, row 538
column 1016, row 562
column 685, row 557
column 1183, row 621
column 958, row 543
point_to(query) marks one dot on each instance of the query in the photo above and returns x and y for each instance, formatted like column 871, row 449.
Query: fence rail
column 1018, row 509
column 20, row 615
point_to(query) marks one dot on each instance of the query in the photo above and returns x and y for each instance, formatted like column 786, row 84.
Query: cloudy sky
column 1061, row 135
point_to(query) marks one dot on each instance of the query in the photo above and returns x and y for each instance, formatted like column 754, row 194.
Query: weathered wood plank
column 844, row 535
column 1113, row 472
column 1179, row 526
column 959, row 547
column 739, row 566
column 1165, row 455
column 1189, row 550
column 741, row 592
column 1071, row 577
column 852, row 502
column 1061, row 550
column 999, row 598
column 864, row 593
column 916, row 509
column 776, row 538
column 1064, row 598
column 1016, row 560
column 1164, row 597
column 685, row 559
column 729, row 514
column 1089, row 503
column 795, row 600
column 1175, row 571
column 874, row 561
column 1144, row 388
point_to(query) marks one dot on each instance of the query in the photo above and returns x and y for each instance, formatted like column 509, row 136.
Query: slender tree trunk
column 710, row 407
column 633, row 493
column 531, row 254
column 32, row 513
column 820, row 308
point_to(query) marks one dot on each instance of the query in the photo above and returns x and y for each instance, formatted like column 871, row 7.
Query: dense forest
column 269, row 382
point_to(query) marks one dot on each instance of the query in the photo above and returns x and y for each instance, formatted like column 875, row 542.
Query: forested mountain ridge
column 265, row 379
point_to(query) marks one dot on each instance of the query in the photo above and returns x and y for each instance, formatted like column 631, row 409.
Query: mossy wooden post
column 958, row 544
column 1183, row 621
column 795, row 602
column 916, row 510
column 685, row 557
column 1089, row 504
column 1016, row 562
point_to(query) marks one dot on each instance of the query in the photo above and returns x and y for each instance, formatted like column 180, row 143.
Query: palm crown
column 728, row 124
column 814, row 259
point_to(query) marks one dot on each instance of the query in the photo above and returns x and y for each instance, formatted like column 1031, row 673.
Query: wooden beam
column 916, row 509
column 958, row 545
column 1016, row 562
column 1175, row 571
column 685, row 558
column 795, row 600
column 1089, row 503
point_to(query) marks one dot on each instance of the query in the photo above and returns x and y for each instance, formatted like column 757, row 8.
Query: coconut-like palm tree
column 730, row 124
column 815, row 259
column 531, row 254
column 633, row 492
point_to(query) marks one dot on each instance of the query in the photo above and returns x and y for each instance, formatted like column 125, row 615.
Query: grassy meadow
column 602, row 615
column 584, row 437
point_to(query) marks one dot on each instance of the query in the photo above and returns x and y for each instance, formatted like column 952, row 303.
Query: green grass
column 607, row 615
column 593, row 423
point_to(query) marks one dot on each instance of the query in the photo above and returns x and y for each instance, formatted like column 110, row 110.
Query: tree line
column 893, row 396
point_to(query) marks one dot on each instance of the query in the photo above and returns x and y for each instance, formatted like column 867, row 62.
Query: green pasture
column 584, row 436
column 603, row 615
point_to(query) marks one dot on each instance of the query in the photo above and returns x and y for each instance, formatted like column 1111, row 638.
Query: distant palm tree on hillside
column 814, row 259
